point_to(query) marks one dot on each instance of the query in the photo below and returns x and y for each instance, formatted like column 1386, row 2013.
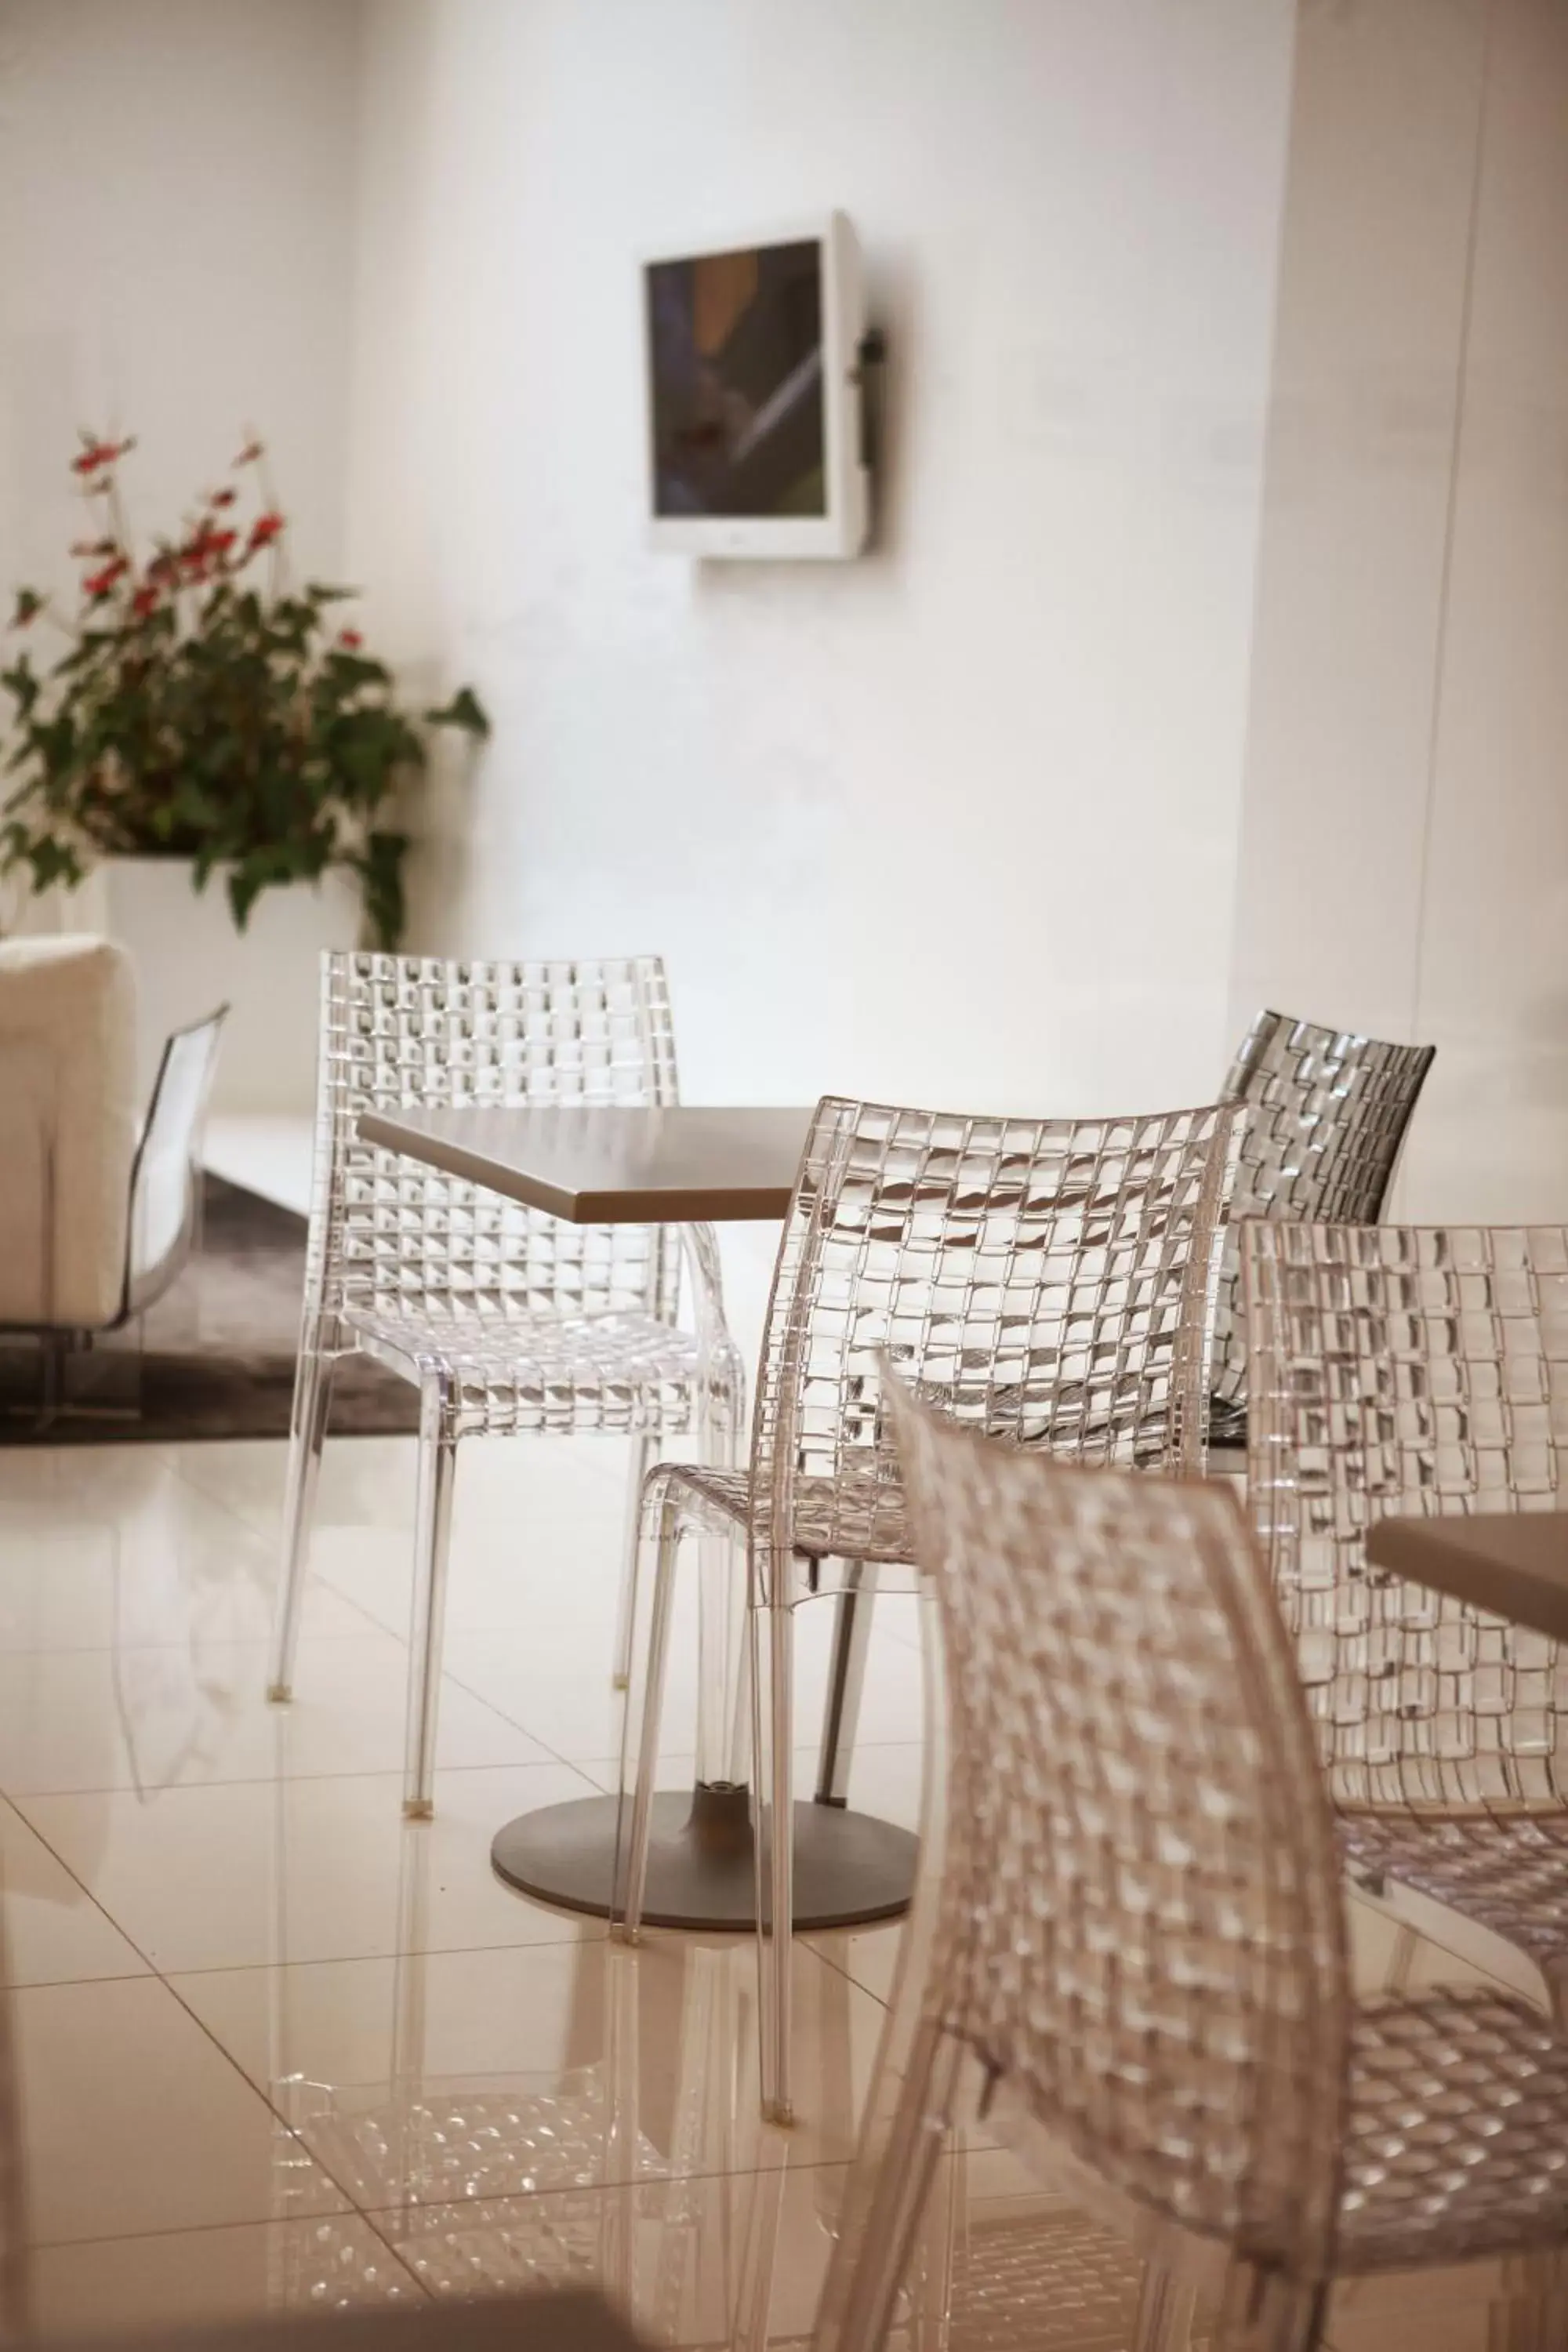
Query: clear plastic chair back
column 1410, row 1370
column 165, row 1185
column 399, row 1032
column 1326, row 1113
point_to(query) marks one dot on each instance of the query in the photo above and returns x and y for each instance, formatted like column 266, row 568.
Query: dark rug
column 217, row 1352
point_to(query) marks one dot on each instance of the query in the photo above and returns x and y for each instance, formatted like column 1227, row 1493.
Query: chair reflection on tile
column 512, row 2178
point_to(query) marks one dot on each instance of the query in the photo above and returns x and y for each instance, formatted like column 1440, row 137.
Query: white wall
column 1491, row 978
column 1403, row 862
column 954, row 822
column 176, row 181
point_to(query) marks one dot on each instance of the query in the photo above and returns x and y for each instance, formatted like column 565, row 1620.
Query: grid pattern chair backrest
column 1415, row 1370
column 1051, row 1281
column 1327, row 1112
column 1139, row 1928
column 399, row 1032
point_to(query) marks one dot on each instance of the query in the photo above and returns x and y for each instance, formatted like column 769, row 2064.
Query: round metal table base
column 848, row 1868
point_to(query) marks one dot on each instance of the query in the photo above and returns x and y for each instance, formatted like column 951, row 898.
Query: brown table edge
column 716, row 1205
column 1523, row 1599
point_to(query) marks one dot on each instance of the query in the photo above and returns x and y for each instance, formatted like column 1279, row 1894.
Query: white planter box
column 190, row 959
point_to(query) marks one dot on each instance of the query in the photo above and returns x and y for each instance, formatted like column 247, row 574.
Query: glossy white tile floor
column 279, row 2048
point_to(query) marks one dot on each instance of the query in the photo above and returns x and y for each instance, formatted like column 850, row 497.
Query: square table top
column 1512, row 1563
column 604, row 1164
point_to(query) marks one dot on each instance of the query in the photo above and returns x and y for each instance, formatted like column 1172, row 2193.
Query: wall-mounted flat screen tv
column 753, row 396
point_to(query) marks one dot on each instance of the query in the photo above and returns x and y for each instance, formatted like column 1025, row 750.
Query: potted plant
column 206, row 720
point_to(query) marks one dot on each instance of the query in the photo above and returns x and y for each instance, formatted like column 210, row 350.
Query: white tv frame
column 841, row 531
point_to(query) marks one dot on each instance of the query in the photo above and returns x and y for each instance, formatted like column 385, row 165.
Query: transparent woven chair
column 1052, row 1280
column 1419, row 1369
column 1135, row 1937
column 1326, row 1113
column 507, row 1321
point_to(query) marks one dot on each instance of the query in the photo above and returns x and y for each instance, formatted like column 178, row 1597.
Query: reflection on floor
column 279, row 2048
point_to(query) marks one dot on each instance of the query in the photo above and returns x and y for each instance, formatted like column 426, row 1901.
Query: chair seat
column 547, row 1371
column 1511, row 1875
column 1457, row 2139
column 835, row 1518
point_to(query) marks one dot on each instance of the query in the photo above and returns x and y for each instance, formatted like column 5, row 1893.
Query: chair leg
column 307, row 1435
column 889, row 2193
column 772, row 1710
column 846, row 1680
column 1162, row 2321
column 1260, row 2311
column 639, row 1740
column 432, row 1541
column 1529, row 2313
column 644, row 1451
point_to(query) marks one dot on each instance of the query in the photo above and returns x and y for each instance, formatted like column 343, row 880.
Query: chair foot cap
column 280, row 1693
column 620, row 1681
column 419, row 1809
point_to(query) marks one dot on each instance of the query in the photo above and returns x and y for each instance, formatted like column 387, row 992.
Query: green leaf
column 21, row 684
column 465, row 710
column 353, row 671
column 245, row 887
column 28, row 603
column 379, row 868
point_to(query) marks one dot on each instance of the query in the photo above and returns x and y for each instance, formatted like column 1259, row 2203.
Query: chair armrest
column 68, row 1130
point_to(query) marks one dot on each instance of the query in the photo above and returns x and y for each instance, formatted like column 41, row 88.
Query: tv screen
column 735, row 352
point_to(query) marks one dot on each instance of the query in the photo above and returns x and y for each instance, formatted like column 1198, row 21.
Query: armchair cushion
column 69, row 1122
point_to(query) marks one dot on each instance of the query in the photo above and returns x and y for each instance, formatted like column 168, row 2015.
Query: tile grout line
column 17, row 1798
column 101, row 1908
column 281, row 2119
column 157, row 1976
column 154, row 1975
column 363, row 1959
column 208, row 2229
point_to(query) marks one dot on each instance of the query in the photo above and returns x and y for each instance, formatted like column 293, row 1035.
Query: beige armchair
column 99, row 1202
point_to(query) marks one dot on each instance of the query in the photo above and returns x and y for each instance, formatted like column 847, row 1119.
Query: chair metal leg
column 846, row 1681
column 645, row 1451
column 307, row 1435
column 772, row 1704
column 432, row 1539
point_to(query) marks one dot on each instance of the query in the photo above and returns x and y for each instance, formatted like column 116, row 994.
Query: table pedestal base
column 848, row 1868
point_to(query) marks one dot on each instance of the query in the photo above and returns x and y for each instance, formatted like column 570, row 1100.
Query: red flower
column 99, row 452
column 204, row 548
column 221, row 499
column 99, row 583
column 351, row 638
column 145, row 601
column 265, row 529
